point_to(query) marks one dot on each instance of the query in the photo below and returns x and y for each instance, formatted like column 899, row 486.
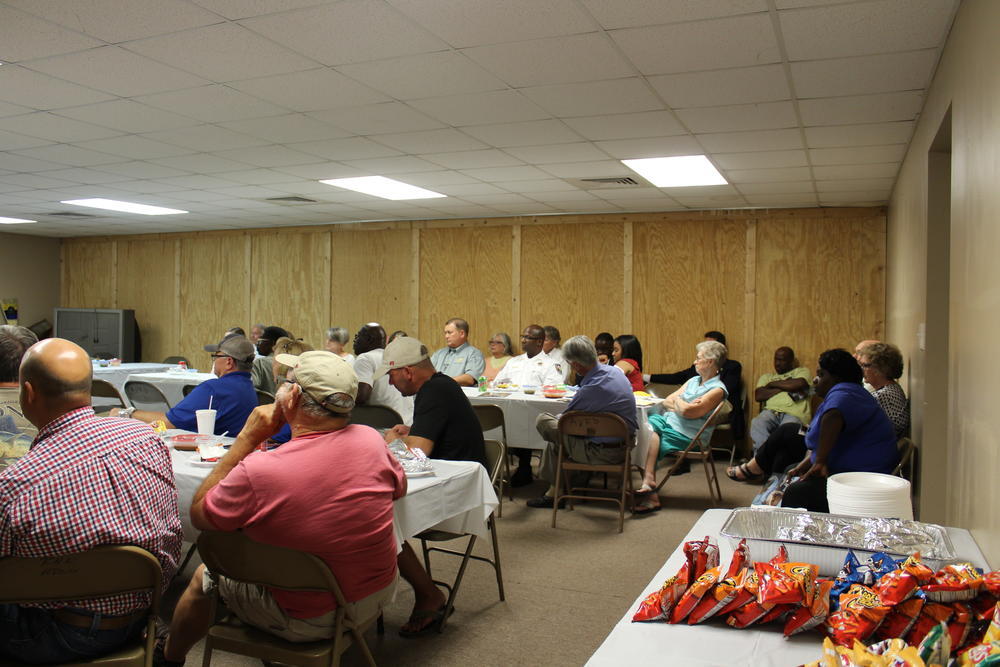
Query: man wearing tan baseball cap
column 328, row 491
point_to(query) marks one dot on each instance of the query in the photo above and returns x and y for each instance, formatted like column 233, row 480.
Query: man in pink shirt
column 328, row 491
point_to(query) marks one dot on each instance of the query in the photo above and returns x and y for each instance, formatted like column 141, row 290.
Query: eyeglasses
column 222, row 356
column 496, row 342
column 532, row 337
column 864, row 365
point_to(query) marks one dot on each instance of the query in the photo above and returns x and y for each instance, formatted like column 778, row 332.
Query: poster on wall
column 8, row 305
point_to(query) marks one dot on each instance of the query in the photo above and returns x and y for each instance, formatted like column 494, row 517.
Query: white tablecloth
column 117, row 375
column 520, row 411
column 458, row 498
column 172, row 384
column 714, row 644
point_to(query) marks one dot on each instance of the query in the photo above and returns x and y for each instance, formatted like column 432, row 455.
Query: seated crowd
column 329, row 487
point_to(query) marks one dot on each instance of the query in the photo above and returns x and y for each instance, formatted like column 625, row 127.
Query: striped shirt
column 90, row 481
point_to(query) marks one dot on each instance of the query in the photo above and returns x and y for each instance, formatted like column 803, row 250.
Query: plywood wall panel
column 820, row 284
column 465, row 272
column 689, row 277
column 371, row 279
column 88, row 275
column 213, row 283
column 290, row 282
column 147, row 284
column 572, row 277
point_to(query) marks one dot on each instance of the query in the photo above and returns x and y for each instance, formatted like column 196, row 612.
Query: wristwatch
column 125, row 412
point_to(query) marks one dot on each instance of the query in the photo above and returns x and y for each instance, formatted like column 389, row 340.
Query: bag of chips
column 900, row 619
column 954, row 583
column 777, row 585
column 809, row 616
column 724, row 591
column 693, row 595
column 980, row 655
column 659, row 604
column 861, row 612
column 932, row 615
column 936, row 645
column 748, row 591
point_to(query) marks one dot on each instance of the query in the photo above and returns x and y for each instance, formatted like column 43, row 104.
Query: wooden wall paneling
column 572, row 277
column 689, row 277
column 214, row 283
column 515, row 288
column 414, row 325
column 88, row 274
column 628, row 246
column 146, row 284
column 820, row 284
column 290, row 283
column 370, row 279
column 465, row 272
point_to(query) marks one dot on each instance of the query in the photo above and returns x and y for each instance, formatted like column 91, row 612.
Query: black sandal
column 745, row 475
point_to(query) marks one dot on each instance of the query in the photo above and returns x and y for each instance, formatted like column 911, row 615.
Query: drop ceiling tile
column 884, row 170
column 621, row 194
column 474, row 22
column 578, row 152
column 134, row 147
column 720, row 201
column 473, row 159
column 491, row 174
column 127, row 116
column 222, row 52
column 523, row 134
column 871, row 134
column 378, row 119
column 627, row 126
column 857, row 155
column 864, row 75
column 13, row 110
column 738, row 41
column 255, row 177
column 630, row 13
column 241, row 9
column 83, row 176
column 858, row 198
column 196, row 182
column 502, row 106
column 880, row 26
column 595, row 205
column 862, row 108
column 463, row 190
column 529, row 207
column 349, row 31
column 323, row 170
column 39, row 91
column 502, row 199
column 424, row 75
column 291, row 128
column 744, row 85
column 739, row 176
column 763, row 116
column 738, row 142
column 34, row 181
column 54, row 128
column 201, row 163
column 205, row 138
column 24, row 37
column 392, row 165
column 784, row 187
column 114, row 70
column 702, row 191
column 139, row 169
column 781, row 200
column 567, row 59
column 212, row 104
column 12, row 141
column 761, row 160
column 310, row 90
column 536, row 185
column 269, row 156
column 433, row 179
column 249, row 192
column 194, row 199
column 595, row 98
column 565, row 196
column 856, row 185
column 599, row 169
column 630, row 205
column 627, row 149
column 352, row 148
column 429, row 141
column 791, row 4
column 144, row 187
column 67, row 155
column 121, row 20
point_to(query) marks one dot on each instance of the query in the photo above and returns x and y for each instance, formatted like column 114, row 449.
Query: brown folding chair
column 490, row 419
column 496, row 454
column 176, row 360
column 593, row 425
column 376, row 416
column 104, row 389
column 723, row 433
column 146, row 396
column 264, row 397
column 234, row 555
column 98, row 573
column 906, row 449
column 658, row 390
column 698, row 449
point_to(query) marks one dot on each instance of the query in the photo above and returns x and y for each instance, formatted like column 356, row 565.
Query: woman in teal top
column 687, row 410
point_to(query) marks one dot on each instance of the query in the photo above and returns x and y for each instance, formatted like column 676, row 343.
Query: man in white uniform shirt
column 369, row 344
column 551, row 347
column 534, row 367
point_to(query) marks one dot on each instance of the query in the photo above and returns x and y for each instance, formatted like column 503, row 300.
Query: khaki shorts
column 253, row 604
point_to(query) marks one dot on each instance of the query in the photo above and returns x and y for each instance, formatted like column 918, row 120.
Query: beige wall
column 29, row 271
column 666, row 277
column 960, row 464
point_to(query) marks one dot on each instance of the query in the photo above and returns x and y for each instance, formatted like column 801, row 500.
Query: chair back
column 104, row 389
column 187, row 389
column 490, row 417
column 146, row 396
column 264, row 397
column 376, row 416
column 906, row 449
column 659, row 390
column 495, row 452
column 593, row 425
column 176, row 360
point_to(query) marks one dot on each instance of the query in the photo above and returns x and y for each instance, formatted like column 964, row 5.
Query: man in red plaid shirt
column 86, row 481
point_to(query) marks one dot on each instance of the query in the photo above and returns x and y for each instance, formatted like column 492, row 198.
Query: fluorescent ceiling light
column 677, row 172
column 14, row 221
column 380, row 186
column 123, row 206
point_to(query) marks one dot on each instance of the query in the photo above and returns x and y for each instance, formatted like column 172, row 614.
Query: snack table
column 172, row 383
column 458, row 498
column 520, row 411
column 715, row 643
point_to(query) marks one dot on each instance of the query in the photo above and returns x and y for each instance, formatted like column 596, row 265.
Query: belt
column 85, row 620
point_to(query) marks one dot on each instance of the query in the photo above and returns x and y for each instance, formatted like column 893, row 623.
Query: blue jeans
column 30, row 635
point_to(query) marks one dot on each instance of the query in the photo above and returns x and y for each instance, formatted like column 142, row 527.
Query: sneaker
column 522, row 477
column 545, row 502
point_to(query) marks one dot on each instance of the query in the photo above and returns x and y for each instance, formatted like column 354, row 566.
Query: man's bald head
column 59, row 372
column 863, row 344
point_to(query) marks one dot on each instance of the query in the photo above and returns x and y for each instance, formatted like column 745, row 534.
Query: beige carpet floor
column 565, row 587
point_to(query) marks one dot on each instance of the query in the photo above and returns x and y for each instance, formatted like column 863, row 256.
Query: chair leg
column 427, row 557
column 496, row 558
column 450, row 604
column 380, row 625
column 359, row 639
column 187, row 558
column 557, row 486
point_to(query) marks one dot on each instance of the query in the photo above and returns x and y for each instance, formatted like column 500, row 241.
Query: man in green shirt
column 785, row 395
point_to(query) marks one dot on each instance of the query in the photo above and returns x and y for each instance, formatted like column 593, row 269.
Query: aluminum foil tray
column 823, row 539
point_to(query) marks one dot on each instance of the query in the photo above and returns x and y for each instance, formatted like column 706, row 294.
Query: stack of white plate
column 869, row 494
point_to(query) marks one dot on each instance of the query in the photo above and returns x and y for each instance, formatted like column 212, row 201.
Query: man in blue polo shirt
column 232, row 394
column 457, row 359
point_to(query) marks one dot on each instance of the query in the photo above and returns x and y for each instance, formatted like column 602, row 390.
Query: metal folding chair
column 104, row 389
column 376, row 416
column 146, row 396
column 698, row 449
column 491, row 419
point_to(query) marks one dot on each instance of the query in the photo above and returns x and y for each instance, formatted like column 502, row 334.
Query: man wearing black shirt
column 444, row 427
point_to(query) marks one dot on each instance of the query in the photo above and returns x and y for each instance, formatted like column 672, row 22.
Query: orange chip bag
column 900, row 619
column 724, row 591
column 809, row 616
column 960, row 623
column 991, row 580
column 778, row 585
column 694, row 594
column 747, row 615
column 954, row 583
column 861, row 611
column 930, row 616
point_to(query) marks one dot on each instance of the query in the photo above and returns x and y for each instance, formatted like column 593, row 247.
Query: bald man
column 86, row 481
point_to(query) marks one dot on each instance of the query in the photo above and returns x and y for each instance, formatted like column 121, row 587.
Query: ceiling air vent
column 609, row 182
column 291, row 200
column 72, row 214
